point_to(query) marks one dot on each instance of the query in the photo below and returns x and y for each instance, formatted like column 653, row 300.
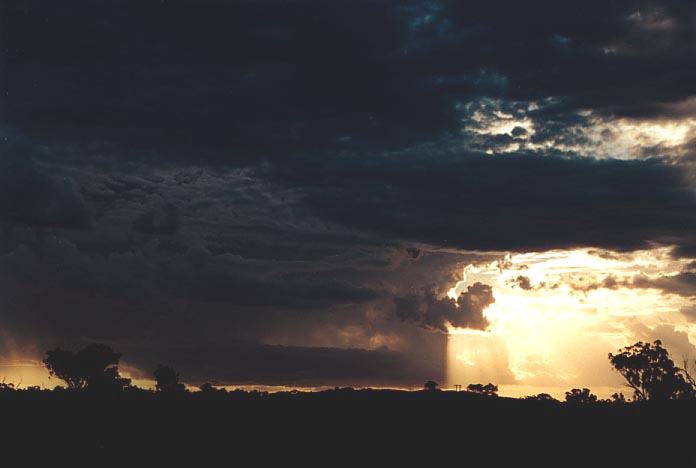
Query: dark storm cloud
column 520, row 202
column 240, row 79
column 606, row 55
column 285, row 187
column 436, row 313
column 149, row 300
column 130, row 281
column 30, row 195
column 255, row 77
column 251, row 363
column 163, row 219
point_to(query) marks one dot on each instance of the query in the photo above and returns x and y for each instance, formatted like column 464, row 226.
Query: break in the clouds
column 284, row 192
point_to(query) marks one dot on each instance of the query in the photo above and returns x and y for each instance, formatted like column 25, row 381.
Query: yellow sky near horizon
column 558, row 314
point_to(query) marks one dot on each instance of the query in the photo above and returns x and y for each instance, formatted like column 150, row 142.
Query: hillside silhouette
column 99, row 418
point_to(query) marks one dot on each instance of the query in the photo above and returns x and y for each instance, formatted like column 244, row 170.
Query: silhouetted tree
column 649, row 371
column 580, row 397
column 688, row 371
column 488, row 389
column 431, row 386
column 208, row 388
column 65, row 366
column 95, row 367
column 6, row 386
column 540, row 397
column 617, row 398
column 167, row 380
column 343, row 389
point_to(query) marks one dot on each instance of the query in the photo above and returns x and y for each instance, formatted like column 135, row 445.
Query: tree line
column 647, row 368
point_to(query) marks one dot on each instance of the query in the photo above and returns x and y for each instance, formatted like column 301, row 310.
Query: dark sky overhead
column 283, row 192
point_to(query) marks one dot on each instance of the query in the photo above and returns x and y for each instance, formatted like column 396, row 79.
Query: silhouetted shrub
column 541, row 397
column 343, row 389
column 6, row 386
column 580, row 397
column 488, row 389
column 431, row 386
column 209, row 389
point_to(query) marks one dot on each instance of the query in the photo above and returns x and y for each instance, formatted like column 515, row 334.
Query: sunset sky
column 300, row 194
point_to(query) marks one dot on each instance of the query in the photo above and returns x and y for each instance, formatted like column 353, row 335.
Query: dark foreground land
column 348, row 428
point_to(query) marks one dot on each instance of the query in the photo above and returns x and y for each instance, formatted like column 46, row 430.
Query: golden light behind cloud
column 557, row 314
column 598, row 136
